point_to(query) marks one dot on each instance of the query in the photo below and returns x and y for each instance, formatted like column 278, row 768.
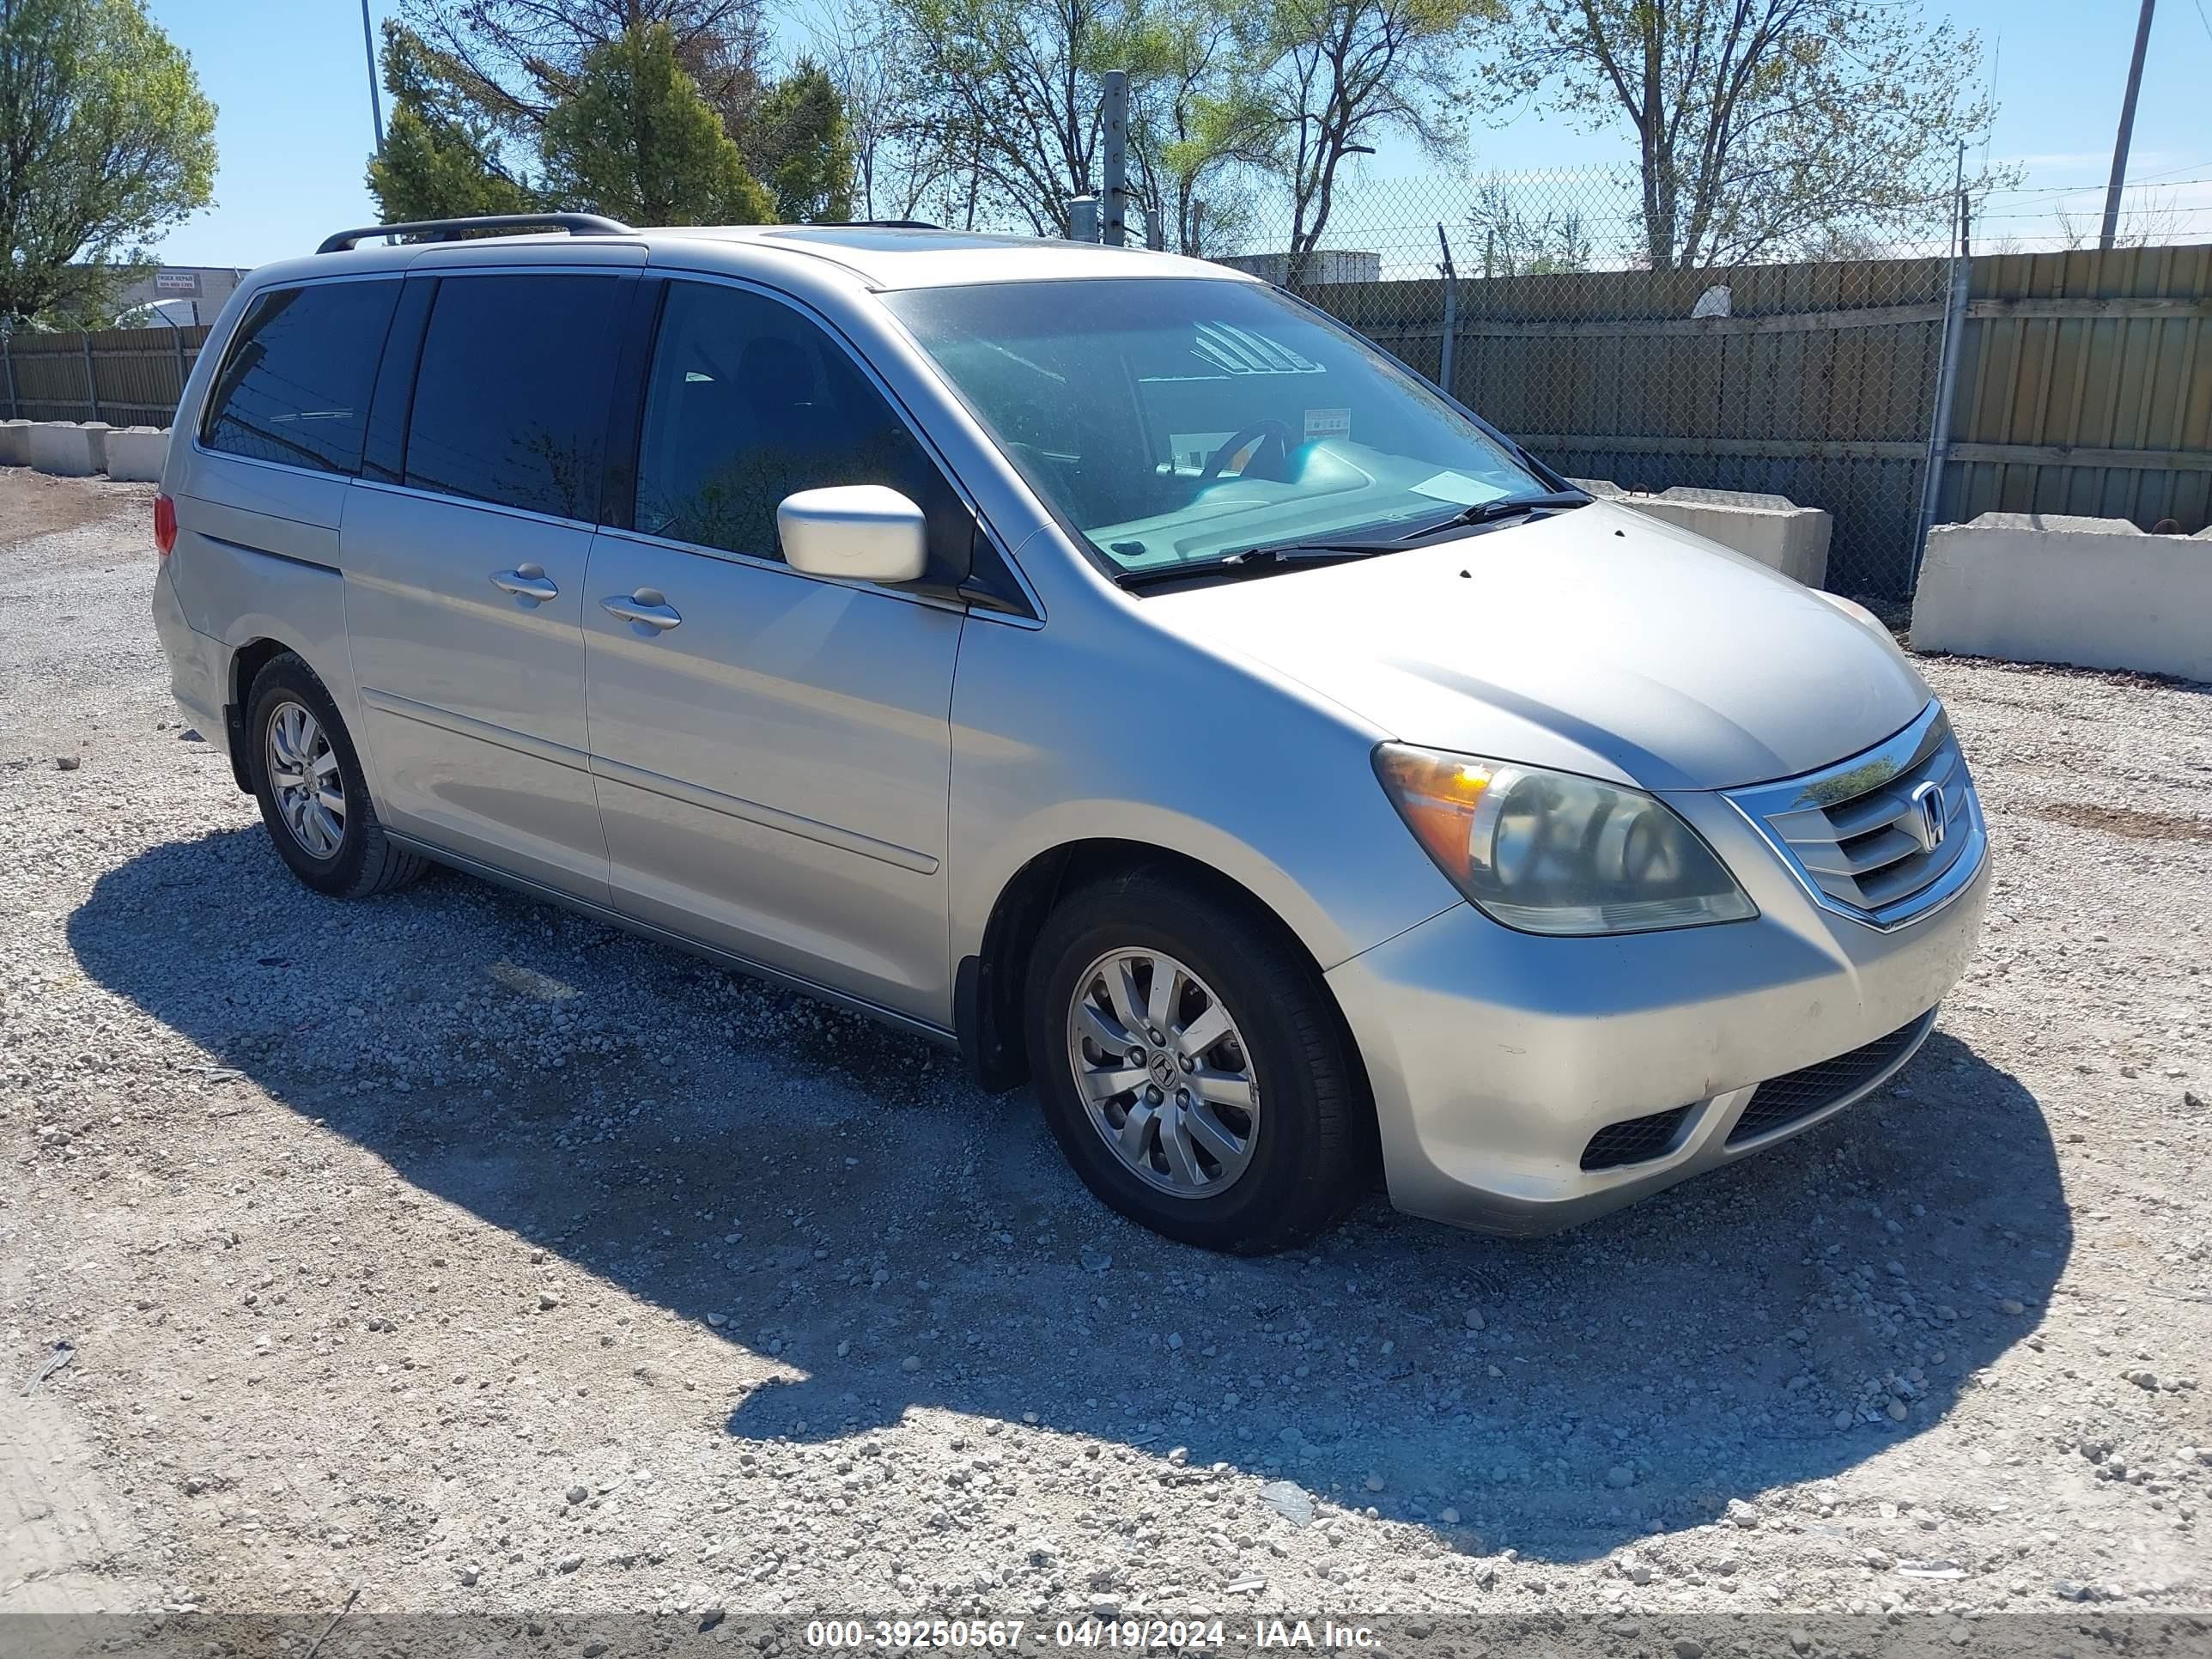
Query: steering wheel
column 1268, row 432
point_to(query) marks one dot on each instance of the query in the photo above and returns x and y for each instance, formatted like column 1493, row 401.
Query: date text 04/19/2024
column 1161, row 1635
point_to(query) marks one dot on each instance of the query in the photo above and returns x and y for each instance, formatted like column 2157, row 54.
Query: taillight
column 165, row 525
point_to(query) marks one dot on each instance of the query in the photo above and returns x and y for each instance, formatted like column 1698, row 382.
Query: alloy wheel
column 305, row 778
column 1164, row 1074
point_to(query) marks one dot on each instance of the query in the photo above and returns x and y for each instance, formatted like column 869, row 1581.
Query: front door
column 465, row 572
column 772, row 750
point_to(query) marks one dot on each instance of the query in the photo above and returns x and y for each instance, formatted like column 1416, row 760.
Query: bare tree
column 1516, row 240
column 896, row 164
column 2153, row 224
column 1007, row 93
column 1763, row 125
column 1339, row 73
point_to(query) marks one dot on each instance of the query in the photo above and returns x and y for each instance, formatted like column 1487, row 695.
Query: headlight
column 1551, row 853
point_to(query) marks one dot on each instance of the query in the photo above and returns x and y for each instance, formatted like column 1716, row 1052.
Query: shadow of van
column 842, row 1201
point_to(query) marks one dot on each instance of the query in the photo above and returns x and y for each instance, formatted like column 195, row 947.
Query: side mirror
column 861, row 532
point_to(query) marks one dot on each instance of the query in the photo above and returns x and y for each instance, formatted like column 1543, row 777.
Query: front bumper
column 1495, row 1056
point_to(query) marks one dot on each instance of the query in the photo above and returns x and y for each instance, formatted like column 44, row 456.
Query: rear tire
column 313, row 796
column 1250, row 1138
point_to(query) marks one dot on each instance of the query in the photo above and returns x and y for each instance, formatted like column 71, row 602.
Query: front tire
column 313, row 796
column 1192, row 1066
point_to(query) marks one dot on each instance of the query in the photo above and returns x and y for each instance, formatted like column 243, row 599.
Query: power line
column 2163, row 180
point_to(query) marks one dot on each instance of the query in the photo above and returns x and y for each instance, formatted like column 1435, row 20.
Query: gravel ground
column 454, row 1250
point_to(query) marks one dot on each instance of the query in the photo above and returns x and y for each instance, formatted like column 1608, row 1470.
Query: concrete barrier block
column 68, row 450
column 135, row 454
column 15, row 443
column 1772, row 529
column 2093, row 592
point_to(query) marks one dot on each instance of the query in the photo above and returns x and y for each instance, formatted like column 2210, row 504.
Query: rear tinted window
column 295, row 386
column 510, row 398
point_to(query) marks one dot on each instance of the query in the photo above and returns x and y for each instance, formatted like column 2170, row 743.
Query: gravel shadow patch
column 839, row 1201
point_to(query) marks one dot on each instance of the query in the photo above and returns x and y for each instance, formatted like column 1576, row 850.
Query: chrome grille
column 1883, row 837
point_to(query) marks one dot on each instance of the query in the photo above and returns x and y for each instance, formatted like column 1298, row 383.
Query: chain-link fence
column 2081, row 380
column 1815, row 373
column 1532, row 299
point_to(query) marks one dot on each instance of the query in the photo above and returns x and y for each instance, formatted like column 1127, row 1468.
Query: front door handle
column 646, row 607
column 525, row 581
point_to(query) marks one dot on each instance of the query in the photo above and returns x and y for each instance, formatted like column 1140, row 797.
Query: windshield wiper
column 1257, row 561
column 1505, row 507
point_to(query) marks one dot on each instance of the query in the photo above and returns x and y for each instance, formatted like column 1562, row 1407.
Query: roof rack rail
column 882, row 224
column 446, row 230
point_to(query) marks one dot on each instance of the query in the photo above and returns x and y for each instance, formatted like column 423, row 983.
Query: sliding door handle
column 525, row 581
column 646, row 607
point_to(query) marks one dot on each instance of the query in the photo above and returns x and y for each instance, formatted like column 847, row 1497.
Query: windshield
column 1175, row 420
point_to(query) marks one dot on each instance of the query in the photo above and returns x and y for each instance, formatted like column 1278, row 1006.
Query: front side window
column 511, row 399
column 295, row 386
column 1170, row 421
column 749, row 402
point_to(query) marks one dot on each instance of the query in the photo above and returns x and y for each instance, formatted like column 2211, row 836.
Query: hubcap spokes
column 304, row 776
column 1164, row 1073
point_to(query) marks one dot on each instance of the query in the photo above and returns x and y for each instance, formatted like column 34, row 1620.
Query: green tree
column 799, row 144
column 634, row 139
column 516, row 61
column 1195, row 118
column 442, row 157
column 1762, row 126
column 105, row 139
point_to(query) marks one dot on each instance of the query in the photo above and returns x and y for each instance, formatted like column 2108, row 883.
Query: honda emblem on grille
column 1932, row 820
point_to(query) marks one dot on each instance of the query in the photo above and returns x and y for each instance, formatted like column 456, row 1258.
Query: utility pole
column 1115, row 118
column 2127, row 129
column 375, row 103
column 1947, row 376
column 1451, row 314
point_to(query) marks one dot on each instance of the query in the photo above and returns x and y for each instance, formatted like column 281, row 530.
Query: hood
column 1598, row 641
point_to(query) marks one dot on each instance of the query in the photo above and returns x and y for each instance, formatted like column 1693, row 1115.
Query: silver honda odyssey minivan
column 1098, row 660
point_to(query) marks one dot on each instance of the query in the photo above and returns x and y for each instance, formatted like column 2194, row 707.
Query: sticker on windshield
column 1327, row 423
column 1458, row 487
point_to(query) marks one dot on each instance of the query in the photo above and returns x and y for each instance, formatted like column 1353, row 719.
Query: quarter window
column 295, row 386
column 511, row 399
column 749, row 402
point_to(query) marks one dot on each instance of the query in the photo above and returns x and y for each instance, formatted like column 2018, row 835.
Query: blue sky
column 291, row 83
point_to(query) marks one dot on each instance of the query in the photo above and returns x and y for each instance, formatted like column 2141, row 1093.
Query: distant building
column 1323, row 265
column 182, row 295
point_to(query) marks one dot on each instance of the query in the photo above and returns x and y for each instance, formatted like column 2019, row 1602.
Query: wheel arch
column 988, row 985
column 246, row 662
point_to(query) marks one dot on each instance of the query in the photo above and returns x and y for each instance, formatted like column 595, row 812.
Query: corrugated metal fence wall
column 124, row 376
column 2085, row 386
column 2085, row 383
